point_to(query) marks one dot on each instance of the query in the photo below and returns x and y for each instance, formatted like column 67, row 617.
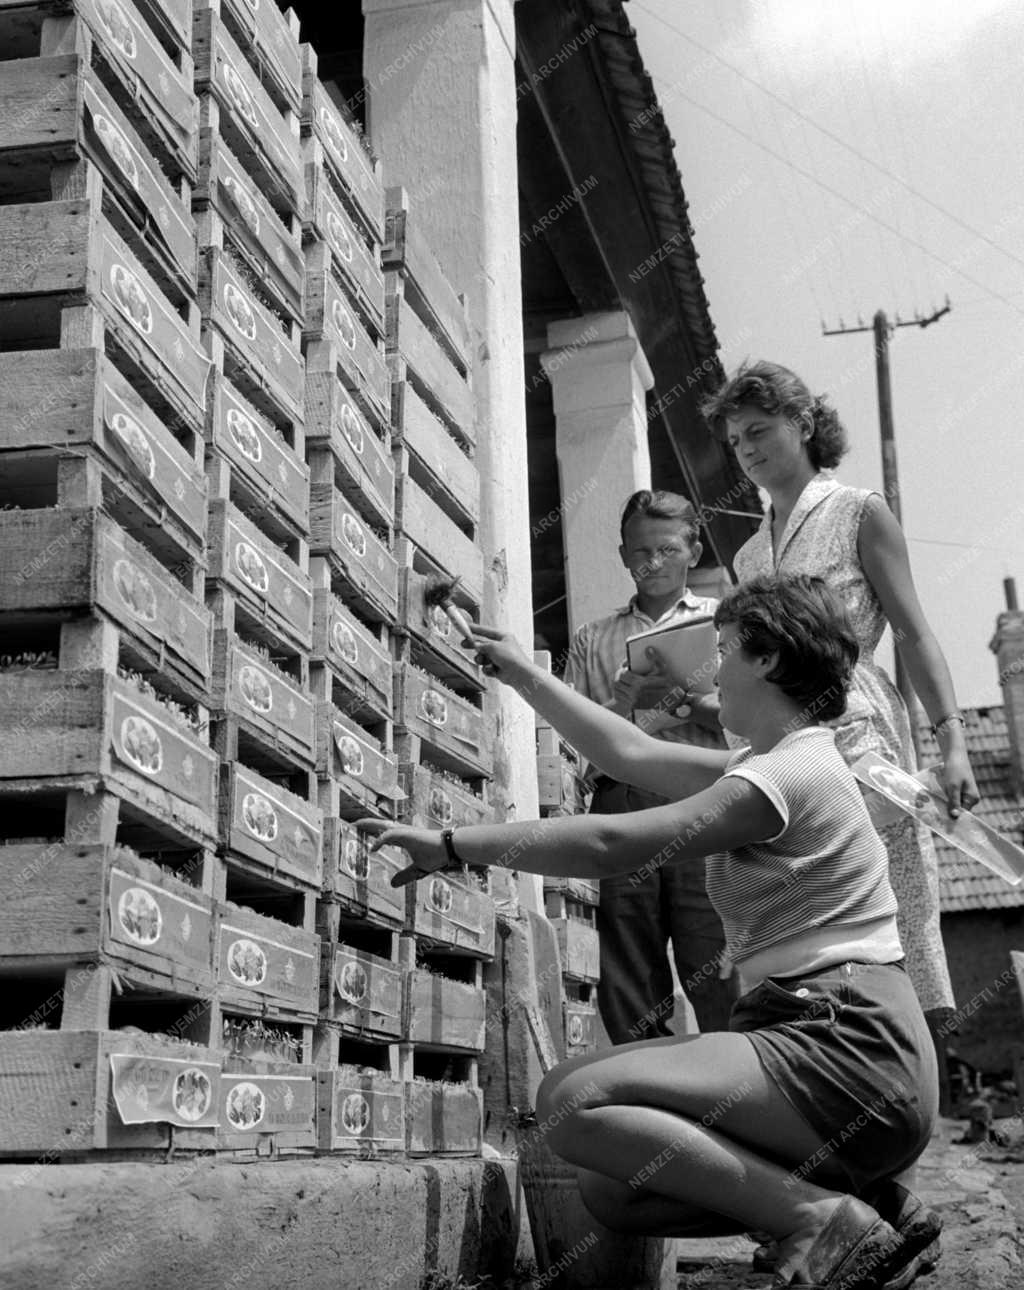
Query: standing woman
column 785, row 440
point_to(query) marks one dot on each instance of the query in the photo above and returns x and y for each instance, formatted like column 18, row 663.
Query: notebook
column 690, row 649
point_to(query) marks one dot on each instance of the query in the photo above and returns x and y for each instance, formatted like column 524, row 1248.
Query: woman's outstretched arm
column 730, row 814
column 883, row 553
column 614, row 745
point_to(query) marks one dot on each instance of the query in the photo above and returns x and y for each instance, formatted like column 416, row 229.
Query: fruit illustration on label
column 353, row 534
column 247, row 962
column 136, row 590
column 345, row 642
column 353, row 983
column 351, row 428
column 440, row 895
column 244, row 203
column 118, row 147
column 239, row 311
column 259, row 817
column 192, row 1094
column 135, row 441
column 343, row 321
column 240, row 96
column 245, row 1105
column 118, row 25
column 355, row 1113
column 249, row 564
column 130, row 297
column 141, row 745
column 255, row 688
column 245, row 434
column 139, row 916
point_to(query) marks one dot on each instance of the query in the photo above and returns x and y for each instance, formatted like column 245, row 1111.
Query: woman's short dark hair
column 775, row 389
column 799, row 618
column 661, row 505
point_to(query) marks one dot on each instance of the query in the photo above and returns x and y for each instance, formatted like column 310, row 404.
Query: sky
column 845, row 156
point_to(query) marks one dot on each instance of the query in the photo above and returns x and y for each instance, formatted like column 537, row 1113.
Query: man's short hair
column 661, row 505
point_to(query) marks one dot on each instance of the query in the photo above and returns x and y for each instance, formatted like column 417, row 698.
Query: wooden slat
column 443, row 1119
column 353, row 757
column 359, row 1110
column 578, row 949
column 262, row 699
column 365, row 992
column 330, row 314
column 353, row 171
column 443, row 1013
column 367, row 565
column 274, row 828
column 450, row 724
column 353, row 260
column 47, row 247
column 264, row 962
column 266, row 28
column 425, row 523
column 272, row 1110
column 364, row 463
column 440, row 383
column 357, row 657
column 454, row 912
column 41, row 103
column 434, row 802
column 436, row 449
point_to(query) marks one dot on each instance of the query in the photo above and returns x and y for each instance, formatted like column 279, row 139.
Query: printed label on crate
column 359, row 269
column 149, row 917
column 157, row 1090
column 351, row 754
column 262, row 813
column 450, row 903
column 366, row 357
column 136, row 596
column 574, row 1029
column 433, row 707
column 440, row 806
column 270, row 579
column 267, row 1103
column 357, row 649
column 343, row 324
column 148, row 69
column 255, row 962
column 269, row 244
column 251, row 105
column 344, row 641
column 372, row 989
column 255, row 688
column 352, row 430
column 264, row 346
column 144, row 444
column 166, row 212
column 347, row 157
column 365, row 1113
column 365, row 763
column 352, row 532
column 354, row 858
column 377, row 570
column 151, row 317
column 247, row 442
column 162, row 752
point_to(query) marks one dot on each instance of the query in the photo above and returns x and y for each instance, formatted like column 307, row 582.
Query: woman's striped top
column 827, row 867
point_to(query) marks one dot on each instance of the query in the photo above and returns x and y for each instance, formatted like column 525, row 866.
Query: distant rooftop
column 964, row 884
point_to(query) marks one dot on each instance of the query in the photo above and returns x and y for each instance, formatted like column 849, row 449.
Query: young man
column 640, row 912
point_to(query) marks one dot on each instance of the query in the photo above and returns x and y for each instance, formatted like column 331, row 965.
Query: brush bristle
column 438, row 590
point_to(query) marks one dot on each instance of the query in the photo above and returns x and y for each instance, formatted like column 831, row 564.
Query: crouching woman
column 796, row 1120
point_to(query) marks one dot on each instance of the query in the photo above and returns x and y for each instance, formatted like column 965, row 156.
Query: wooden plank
column 275, row 475
column 266, row 582
column 272, row 250
column 365, row 563
column 358, row 1110
column 364, row 469
column 364, row 992
column 578, row 949
column 444, row 1014
column 352, row 260
column 331, row 315
column 438, row 380
column 267, row 1111
column 358, row 659
column 263, row 699
column 47, row 247
column 454, row 912
column 41, row 102
column 436, row 802
column 262, row 962
column 270, row 360
column 266, row 30
column 251, row 122
column 425, row 523
column 443, row 1119
column 449, row 723
column 434, row 447
column 360, row 879
column 271, row 826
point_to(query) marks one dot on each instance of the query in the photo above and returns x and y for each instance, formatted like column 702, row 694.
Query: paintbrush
column 438, row 592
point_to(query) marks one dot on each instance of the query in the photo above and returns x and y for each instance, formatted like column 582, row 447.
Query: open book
column 690, row 650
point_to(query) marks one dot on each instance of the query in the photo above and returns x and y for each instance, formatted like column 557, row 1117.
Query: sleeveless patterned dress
column 820, row 538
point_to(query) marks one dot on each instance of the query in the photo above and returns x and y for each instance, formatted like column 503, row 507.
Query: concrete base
column 320, row 1224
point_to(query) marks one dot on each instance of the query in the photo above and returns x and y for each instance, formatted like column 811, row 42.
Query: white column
column 442, row 116
column 599, row 376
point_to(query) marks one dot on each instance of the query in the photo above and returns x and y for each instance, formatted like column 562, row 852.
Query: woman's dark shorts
column 849, row 1048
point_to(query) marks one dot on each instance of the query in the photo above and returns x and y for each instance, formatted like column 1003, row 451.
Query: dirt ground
column 979, row 1191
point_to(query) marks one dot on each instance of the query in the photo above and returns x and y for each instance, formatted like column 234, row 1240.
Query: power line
column 968, row 228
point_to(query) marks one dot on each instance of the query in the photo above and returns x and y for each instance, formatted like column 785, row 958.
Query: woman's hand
column 958, row 780
column 424, row 846
column 500, row 653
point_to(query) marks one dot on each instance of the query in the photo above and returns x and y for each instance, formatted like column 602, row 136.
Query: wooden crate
column 364, row 775
column 424, row 523
column 578, row 949
column 443, row 1119
column 451, row 726
column 436, row 646
column 366, row 568
column 340, row 151
column 266, row 965
column 559, row 785
column 268, row 704
column 271, row 827
column 61, row 1096
column 267, row 474
column 433, row 372
column 273, row 596
column 444, row 1014
column 453, row 912
column 271, row 41
column 260, row 358
column 69, row 251
column 59, row 561
column 102, row 903
column 357, row 658
column 159, row 85
column 433, row 451
column 362, row 467
column 337, row 341
column 352, row 260
column 264, row 139
column 360, row 879
column 426, row 286
column 266, row 239
column 360, row 1111
column 586, row 891
column 363, row 993
column 266, row 1111
column 82, row 121
column 73, row 728
column 171, row 20
column 433, row 801
column 98, row 443
column 580, row 1027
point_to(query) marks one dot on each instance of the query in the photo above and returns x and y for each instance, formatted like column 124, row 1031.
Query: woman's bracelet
column 947, row 721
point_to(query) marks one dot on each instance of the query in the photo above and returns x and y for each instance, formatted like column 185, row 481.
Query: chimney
column 1008, row 646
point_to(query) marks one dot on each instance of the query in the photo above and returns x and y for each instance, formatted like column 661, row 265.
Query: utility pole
column 883, row 328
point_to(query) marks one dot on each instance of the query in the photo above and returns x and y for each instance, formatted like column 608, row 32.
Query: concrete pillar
column 599, row 376
column 442, row 116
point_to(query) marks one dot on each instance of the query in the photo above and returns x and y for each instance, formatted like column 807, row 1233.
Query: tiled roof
column 963, row 883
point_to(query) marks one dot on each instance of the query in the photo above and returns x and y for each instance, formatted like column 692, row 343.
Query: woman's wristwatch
column 448, row 838
column 952, row 718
